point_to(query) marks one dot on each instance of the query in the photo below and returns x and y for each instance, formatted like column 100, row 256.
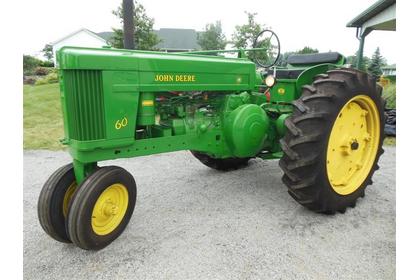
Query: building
column 80, row 38
column 389, row 75
column 389, row 70
column 172, row 39
column 380, row 16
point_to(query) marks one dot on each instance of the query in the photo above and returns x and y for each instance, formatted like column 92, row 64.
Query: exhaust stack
column 128, row 18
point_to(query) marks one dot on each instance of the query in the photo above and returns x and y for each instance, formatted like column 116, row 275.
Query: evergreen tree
column 376, row 62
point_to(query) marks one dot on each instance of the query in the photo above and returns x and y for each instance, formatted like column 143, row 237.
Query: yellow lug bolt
column 366, row 137
column 111, row 209
column 364, row 113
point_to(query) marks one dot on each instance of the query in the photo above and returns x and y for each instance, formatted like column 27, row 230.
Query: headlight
column 270, row 81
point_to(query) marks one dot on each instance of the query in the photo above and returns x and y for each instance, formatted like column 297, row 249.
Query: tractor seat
column 286, row 73
column 313, row 58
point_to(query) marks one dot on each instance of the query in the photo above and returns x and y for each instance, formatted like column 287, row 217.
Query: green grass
column 42, row 118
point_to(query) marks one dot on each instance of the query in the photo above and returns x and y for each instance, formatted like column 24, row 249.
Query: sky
column 319, row 24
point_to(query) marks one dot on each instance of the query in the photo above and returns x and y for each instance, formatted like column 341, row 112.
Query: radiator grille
column 85, row 104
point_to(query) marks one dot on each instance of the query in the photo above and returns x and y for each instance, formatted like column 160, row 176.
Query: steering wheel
column 268, row 40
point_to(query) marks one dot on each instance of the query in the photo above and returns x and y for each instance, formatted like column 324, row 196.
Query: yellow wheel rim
column 353, row 144
column 67, row 196
column 109, row 209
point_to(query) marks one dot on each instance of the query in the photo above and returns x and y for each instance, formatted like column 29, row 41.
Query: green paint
column 123, row 103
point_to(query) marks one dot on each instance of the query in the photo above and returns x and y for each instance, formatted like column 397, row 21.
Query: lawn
column 42, row 118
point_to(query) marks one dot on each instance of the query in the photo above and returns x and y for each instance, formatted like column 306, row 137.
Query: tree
column 212, row 38
column 48, row 52
column 376, row 62
column 245, row 34
column 307, row 50
column 144, row 37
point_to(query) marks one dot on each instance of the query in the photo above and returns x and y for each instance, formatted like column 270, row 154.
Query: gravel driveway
column 191, row 222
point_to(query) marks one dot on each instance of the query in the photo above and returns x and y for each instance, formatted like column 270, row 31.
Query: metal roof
column 177, row 38
column 392, row 66
column 172, row 38
column 370, row 12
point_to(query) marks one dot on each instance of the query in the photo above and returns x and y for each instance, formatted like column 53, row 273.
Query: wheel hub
column 353, row 144
column 109, row 209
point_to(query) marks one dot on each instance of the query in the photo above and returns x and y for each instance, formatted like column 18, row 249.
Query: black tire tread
column 44, row 205
column 306, row 134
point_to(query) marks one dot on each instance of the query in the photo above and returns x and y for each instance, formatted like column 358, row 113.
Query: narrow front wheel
column 54, row 200
column 102, row 208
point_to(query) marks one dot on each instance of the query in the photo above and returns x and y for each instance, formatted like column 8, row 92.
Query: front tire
column 334, row 140
column 102, row 208
column 53, row 202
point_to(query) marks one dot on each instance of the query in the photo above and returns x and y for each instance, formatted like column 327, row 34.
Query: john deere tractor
column 322, row 121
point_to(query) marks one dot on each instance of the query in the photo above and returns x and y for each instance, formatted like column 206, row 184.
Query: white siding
column 80, row 39
column 389, row 72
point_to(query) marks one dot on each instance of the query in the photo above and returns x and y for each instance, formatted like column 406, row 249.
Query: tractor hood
column 159, row 71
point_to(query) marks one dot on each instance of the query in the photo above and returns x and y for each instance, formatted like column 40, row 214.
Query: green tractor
column 322, row 121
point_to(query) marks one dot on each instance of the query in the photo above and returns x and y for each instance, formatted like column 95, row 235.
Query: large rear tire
column 225, row 164
column 334, row 140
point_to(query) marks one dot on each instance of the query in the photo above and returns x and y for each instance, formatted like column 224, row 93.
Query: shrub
column 53, row 70
column 389, row 94
column 29, row 64
column 49, row 79
column 41, row 71
column 46, row 63
column 29, row 80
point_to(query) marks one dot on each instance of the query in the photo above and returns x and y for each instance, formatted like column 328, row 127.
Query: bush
column 389, row 94
column 53, row 70
column 29, row 64
column 49, row 79
column 41, row 71
column 46, row 63
column 28, row 80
